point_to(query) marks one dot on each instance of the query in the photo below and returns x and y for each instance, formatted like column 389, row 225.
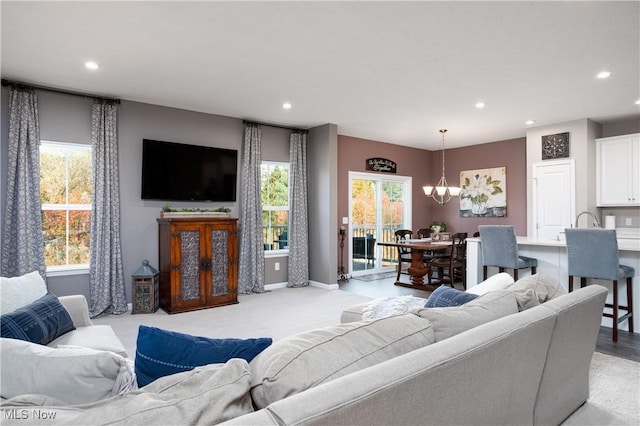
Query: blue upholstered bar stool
column 500, row 249
column 593, row 253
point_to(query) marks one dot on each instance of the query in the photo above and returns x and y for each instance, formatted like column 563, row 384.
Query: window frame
column 68, row 269
column 281, row 251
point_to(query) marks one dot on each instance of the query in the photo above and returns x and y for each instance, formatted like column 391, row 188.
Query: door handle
column 205, row 264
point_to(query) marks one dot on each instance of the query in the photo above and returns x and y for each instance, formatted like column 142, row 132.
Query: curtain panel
column 22, row 241
column 107, row 286
column 298, row 214
column 251, row 257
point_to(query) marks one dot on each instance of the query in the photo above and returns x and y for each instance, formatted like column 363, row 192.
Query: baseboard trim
column 268, row 287
column 324, row 285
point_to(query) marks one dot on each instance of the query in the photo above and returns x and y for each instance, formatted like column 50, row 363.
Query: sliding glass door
column 378, row 206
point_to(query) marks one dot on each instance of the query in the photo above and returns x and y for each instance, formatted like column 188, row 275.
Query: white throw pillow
column 17, row 292
column 72, row 374
column 496, row 282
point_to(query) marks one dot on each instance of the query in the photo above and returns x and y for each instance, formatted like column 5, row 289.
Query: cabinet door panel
column 617, row 170
column 190, row 265
column 219, row 263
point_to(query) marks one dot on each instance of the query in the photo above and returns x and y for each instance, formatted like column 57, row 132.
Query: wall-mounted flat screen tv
column 180, row 172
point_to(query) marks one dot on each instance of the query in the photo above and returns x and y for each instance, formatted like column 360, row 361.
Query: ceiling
column 394, row 72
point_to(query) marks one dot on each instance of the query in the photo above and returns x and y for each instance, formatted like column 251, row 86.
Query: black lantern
column 146, row 295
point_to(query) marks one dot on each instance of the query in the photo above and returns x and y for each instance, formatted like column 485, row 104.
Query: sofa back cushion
column 307, row 359
column 450, row 321
column 545, row 287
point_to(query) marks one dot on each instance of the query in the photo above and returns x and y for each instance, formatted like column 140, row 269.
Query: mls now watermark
column 28, row 414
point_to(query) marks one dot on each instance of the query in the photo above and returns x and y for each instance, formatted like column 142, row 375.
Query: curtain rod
column 275, row 125
column 50, row 89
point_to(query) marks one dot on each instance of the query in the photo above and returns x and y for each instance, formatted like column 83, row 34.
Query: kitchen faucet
column 596, row 221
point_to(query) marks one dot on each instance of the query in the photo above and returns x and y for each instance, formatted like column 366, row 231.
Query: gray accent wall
column 322, row 170
column 67, row 118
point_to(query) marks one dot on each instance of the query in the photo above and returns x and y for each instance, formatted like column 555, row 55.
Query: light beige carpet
column 614, row 382
column 276, row 314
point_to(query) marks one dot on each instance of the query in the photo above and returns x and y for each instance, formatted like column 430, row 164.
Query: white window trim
column 279, row 252
column 66, row 270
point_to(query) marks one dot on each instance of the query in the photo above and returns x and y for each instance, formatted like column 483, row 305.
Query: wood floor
column 627, row 346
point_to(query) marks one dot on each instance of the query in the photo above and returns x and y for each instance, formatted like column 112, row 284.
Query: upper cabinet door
column 618, row 171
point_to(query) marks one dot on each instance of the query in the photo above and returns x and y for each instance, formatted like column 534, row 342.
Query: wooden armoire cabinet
column 198, row 263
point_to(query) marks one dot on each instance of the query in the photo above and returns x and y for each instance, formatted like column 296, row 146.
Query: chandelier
column 442, row 192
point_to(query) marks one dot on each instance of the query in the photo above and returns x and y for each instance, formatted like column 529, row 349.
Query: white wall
column 582, row 148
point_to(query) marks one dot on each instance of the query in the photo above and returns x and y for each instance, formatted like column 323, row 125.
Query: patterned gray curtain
column 105, row 268
column 22, row 243
column 251, row 267
column 298, row 217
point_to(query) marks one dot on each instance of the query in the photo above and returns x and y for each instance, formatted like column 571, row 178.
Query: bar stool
column 500, row 249
column 593, row 253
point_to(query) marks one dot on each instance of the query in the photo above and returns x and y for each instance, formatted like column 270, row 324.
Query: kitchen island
column 552, row 260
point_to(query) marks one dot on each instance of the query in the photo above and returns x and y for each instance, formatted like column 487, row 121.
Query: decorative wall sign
column 483, row 193
column 555, row 146
column 381, row 165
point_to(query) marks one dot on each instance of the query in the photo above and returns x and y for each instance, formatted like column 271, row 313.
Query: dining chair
column 593, row 253
column 428, row 256
column 452, row 266
column 404, row 254
column 500, row 249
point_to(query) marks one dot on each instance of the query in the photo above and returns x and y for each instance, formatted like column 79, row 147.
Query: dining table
column 418, row 268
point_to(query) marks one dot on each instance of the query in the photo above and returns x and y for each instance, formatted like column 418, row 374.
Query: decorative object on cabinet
column 145, row 288
column 484, row 192
column 168, row 211
column 198, row 263
column 441, row 192
column 555, row 146
column 618, row 171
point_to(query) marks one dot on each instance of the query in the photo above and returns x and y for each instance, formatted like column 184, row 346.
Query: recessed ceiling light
column 638, row 102
column 480, row 105
column 91, row 65
column 604, row 74
column 286, row 105
column 530, row 122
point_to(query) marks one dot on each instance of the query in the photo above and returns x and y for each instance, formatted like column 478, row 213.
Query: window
column 274, row 180
column 65, row 193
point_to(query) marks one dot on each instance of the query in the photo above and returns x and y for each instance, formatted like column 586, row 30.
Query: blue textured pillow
column 445, row 296
column 41, row 321
column 161, row 352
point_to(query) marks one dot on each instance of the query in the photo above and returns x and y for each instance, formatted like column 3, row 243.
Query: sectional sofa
column 516, row 356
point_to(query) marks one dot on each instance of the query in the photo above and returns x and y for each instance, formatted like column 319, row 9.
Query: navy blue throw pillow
column 445, row 296
column 40, row 322
column 161, row 352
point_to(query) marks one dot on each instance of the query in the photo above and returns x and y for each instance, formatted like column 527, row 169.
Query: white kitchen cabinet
column 618, row 170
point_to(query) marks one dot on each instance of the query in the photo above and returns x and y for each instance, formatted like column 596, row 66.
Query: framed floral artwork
column 483, row 192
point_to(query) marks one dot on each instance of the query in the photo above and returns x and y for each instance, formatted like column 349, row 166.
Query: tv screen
column 179, row 172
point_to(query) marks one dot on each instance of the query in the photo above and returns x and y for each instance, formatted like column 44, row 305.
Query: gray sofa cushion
column 74, row 375
column 307, row 359
column 99, row 337
column 544, row 286
column 206, row 395
column 450, row 321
